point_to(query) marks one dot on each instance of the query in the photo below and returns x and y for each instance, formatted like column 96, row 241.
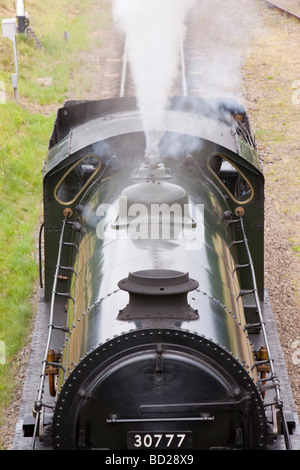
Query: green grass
column 23, row 145
column 59, row 61
column 25, row 129
column 296, row 249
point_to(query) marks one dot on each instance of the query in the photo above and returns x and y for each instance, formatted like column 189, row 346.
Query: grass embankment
column 25, row 128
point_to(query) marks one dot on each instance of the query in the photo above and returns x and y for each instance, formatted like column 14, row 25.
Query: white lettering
column 105, row 212
column 157, row 222
column 115, row 460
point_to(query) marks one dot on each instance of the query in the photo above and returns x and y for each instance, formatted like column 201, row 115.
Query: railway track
column 191, row 77
column 194, row 79
column 196, row 56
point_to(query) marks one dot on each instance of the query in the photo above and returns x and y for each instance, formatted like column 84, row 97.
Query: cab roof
column 82, row 123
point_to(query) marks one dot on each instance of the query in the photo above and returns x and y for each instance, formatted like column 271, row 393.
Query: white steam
column 153, row 30
column 222, row 38
column 217, row 43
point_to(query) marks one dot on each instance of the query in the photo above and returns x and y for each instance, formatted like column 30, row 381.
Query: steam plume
column 153, row 30
column 217, row 46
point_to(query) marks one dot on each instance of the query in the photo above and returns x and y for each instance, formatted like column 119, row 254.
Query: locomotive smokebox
column 158, row 293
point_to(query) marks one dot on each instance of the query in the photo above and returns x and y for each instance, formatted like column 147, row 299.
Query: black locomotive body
column 150, row 252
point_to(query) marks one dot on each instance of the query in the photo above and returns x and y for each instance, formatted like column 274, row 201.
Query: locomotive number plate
column 157, row 440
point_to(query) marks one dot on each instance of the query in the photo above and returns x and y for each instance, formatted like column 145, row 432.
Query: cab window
column 231, row 179
column 77, row 178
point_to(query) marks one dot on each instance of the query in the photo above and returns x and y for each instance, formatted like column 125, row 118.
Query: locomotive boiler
column 152, row 252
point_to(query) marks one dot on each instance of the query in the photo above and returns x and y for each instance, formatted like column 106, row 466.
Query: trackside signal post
column 9, row 30
column 23, row 21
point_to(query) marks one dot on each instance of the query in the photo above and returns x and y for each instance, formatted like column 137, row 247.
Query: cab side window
column 231, row 179
column 74, row 181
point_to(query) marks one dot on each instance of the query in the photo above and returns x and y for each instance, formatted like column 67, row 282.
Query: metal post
column 9, row 30
column 20, row 8
column 23, row 21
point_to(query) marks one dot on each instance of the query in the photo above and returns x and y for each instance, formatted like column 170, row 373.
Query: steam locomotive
column 153, row 251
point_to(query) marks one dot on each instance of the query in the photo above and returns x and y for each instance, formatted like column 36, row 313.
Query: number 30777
column 163, row 440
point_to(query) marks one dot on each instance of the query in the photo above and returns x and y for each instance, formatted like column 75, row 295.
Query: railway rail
column 185, row 88
column 126, row 87
column 189, row 59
